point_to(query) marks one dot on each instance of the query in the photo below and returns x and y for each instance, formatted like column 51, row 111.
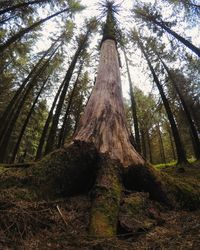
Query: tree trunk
column 103, row 122
column 47, row 123
column 20, row 5
column 144, row 150
column 179, row 147
column 149, row 146
column 61, row 137
column 133, row 107
column 24, row 31
column 161, row 146
column 52, row 134
column 16, row 148
column 178, row 37
column 195, row 138
column 7, row 134
column 9, row 111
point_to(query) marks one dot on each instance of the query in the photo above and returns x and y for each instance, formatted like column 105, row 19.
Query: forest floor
column 27, row 224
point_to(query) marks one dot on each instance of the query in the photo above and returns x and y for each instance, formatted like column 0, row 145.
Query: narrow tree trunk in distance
column 149, row 146
column 16, row 148
column 7, row 19
column 47, row 123
column 171, row 143
column 162, row 150
column 103, row 122
column 9, row 111
column 21, row 5
column 144, row 150
column 61, row 137
column 179, row 146
column 24, row 31
column 178, row 37
column 133, row 107
column 7, row 135
column 52, row 134
column 194, row 134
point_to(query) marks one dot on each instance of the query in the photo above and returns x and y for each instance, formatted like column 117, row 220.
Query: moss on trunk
column 106, row 197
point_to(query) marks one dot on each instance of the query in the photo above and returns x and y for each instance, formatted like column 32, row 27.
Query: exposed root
column 73, row 171
column 106, row 196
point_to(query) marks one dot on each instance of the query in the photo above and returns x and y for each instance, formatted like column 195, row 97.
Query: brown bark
column 103, row 121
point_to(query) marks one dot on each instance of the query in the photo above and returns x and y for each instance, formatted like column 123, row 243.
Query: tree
column 154, row 17
column 20, row 6
column 10, row 126
column 133, row 107
column 182, row 159
column 24, row 31
column 195, row 139
column 82, row 43
column 16, row 148
column 101, row 158
column 63, row 131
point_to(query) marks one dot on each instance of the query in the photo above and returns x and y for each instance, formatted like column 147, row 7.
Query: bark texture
column 103, row 121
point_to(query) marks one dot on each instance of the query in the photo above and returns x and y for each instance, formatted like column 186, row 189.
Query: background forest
column 49, row 53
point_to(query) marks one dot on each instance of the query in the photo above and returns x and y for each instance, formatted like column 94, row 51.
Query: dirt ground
column 63, row 224
column 29, row 224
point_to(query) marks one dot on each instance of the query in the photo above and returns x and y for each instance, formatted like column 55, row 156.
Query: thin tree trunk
column 149, row 146
column 9, row 111
column 21, row 5
column 52, row 134
column 179, row 147
column 16, row 148
column 47, row 123
column 7, row 135
column 178, row 37
column 144, row 150
column 7, row 19
column 133, row 107
column 162, row 150
column 194, row 134
column 61, row 137
column 24, row 31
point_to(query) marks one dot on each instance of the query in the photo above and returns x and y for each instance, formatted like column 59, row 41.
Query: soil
column 30, row 224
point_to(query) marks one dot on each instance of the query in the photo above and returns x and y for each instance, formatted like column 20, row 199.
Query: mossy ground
column 27, row 221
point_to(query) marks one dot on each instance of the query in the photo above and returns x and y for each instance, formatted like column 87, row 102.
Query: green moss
column 106, row 200
column 134, row 204
column 63, row 172
column 184, row 192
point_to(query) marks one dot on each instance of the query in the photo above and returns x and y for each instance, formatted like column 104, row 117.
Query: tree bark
column 103, row 122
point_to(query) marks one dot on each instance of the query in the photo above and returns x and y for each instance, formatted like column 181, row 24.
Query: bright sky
column 139, row 78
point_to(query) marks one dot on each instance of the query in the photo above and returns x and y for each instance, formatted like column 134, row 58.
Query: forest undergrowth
column 29, row 222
